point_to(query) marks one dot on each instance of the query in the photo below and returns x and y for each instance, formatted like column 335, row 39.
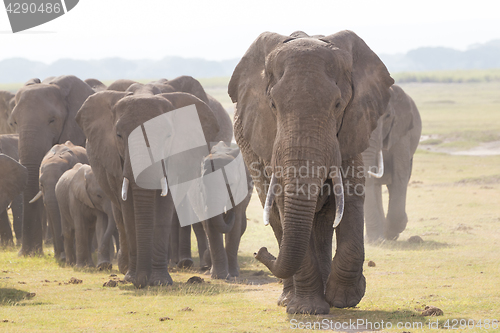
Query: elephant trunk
column 299, row 210
column 31, row 152
column 144, row 211
column 224, row 223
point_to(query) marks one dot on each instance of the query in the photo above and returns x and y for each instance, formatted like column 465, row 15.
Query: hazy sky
column 223, row 29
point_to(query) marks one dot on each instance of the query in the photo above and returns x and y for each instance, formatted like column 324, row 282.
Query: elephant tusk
column 225, row 209
column 36, row 197
column 164, row 187
column 380, row 172
column 339, row 200
column 125, row 188
column 269, row 200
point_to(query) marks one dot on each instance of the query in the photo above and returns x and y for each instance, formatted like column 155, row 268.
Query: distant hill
column 479, row 56
column 21, row 70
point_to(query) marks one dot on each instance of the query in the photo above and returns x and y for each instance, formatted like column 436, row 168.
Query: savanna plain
column 453, row 204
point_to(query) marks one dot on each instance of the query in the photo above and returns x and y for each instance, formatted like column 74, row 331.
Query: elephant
column 95, row 84
column 120, row 85
column 44, row 115
column 144, row 217
column 8, row 146
column 85, row 210
column 7, row 103
column 305, row 109
column 388, row 161
column 12, row 183
column 224, row 231
column 59, row 159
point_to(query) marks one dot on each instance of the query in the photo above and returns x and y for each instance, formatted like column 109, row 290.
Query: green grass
column 449, row 76
column 452, row 204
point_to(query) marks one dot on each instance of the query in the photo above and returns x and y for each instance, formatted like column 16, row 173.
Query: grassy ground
column 453, row 205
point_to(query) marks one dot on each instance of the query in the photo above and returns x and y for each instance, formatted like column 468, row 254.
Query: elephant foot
column 105, row 266
column 160, row 278
column 391, row 235
column 219, row 274
column 130, row 277
column 345, row 296
column 234, row 272
column 308, row 305
column 285, row 297
column 185, row 263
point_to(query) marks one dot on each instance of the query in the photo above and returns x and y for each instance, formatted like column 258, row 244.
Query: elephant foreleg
column 346, row 283
column 374, row 211
column 104, row 229
column 218, row 255
column 185, row 258
column 202, row 242
column 396, row 213
column 83, row 241
column 309, row 292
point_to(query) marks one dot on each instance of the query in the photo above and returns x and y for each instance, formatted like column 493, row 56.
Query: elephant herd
column 320, row 125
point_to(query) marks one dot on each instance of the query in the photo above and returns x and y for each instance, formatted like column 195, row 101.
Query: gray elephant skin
column 12, row 182
column 395, row 139
column 143, row 217
column 311, row 103
column 8, row 146
column 7, row 103
column 85, row 210
column 44, row 115
column 224, row 231
column 58, row 160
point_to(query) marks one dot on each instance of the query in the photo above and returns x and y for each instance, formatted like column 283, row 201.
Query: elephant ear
column 96, row 85
column 208, row 120
column 15, row 182
column 79, row 186
column 96, row 120
column 75, row 92
column 401, row 106
column 187, row 84
column 254, row 119
column 370, row 83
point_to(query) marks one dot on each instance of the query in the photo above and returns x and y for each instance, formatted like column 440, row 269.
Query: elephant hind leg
column 69, row 247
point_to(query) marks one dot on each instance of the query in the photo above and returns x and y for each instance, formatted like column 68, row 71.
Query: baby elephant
column 84, row 209
column 231, row 224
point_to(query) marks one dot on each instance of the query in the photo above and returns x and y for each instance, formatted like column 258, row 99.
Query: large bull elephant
column 107, row 119
column 306, row 107
column 58, row 160
column 389, row 161
column 13, row 178
column 44, row 115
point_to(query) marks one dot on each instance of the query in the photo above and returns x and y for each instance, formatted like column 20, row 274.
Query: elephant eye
column 99, row 196
column 52, row 120
column 118, row 135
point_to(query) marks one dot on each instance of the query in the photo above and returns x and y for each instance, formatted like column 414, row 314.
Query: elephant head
column 44, row 115
column 395, row 123
column 7, row 104
column 305, row 102
column 96, row 85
